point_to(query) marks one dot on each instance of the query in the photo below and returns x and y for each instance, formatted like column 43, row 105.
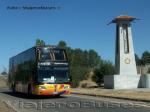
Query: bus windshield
column 45, row 54
column 53, row 54
column 46, row 76
column 59, row 54
column 61, row 76
column 56, row 76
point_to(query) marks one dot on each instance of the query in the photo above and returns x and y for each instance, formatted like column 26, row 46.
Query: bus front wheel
column 29, row 90
column 13, row 88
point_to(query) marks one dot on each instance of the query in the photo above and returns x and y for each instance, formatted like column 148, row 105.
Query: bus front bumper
column 46, row 92
column 52, row 89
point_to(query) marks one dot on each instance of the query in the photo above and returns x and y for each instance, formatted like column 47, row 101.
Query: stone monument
column 126, row 76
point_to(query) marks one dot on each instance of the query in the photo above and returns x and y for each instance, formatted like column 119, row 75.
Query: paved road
column 72, row 103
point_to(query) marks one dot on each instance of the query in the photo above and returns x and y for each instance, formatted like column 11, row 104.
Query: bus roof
column 36, row 47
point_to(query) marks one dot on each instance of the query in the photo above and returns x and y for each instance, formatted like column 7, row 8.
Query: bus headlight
column 42, row 87
column 66, row 87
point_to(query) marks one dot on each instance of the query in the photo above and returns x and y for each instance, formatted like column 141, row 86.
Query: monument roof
column 123, row 18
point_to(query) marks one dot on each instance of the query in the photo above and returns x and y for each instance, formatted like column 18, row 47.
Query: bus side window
column 12, row 64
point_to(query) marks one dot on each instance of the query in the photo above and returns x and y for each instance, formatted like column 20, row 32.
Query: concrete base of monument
column 121, row 81
column 145, row 81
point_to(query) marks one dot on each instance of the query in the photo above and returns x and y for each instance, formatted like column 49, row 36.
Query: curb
column 123, row 98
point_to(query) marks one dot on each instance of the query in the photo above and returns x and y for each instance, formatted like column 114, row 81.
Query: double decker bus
column 40, row 70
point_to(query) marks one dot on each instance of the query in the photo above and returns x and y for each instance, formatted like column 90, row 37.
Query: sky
column 81, row 23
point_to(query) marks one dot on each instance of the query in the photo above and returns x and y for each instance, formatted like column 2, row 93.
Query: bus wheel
column 13, row 88
column 57, row 96
column 29, row 90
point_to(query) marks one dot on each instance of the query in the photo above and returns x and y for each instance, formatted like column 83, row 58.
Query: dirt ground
column 134, row 94
column 3, row 81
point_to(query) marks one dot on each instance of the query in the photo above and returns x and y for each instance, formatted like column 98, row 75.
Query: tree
column 106, row 68
column 94, row 58
column 146, row 57
column 4, row 72
column 79, row 58
column 138, row 60
column 40, row 42
column 77, row 74
column 62, row 44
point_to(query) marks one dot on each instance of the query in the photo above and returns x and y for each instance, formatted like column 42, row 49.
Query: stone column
column 125, row 58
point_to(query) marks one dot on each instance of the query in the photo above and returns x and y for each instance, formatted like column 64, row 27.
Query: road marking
column 10, row 105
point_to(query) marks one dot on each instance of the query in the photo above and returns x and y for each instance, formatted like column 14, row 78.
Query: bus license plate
column 55, row 92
